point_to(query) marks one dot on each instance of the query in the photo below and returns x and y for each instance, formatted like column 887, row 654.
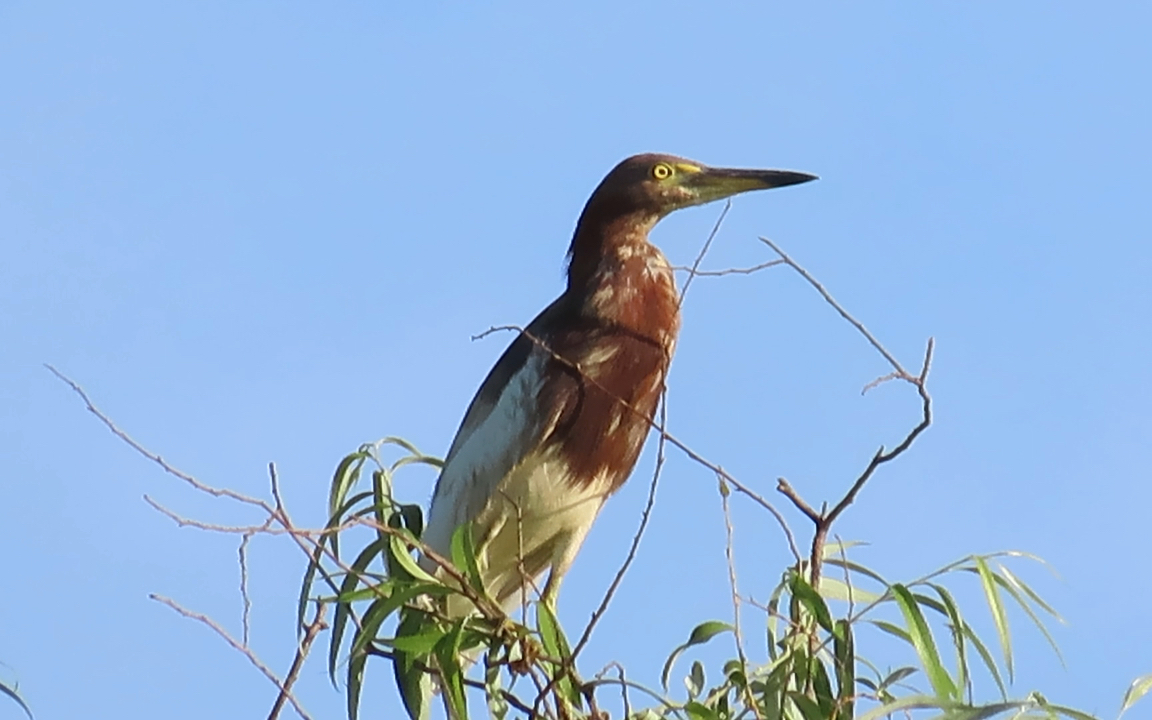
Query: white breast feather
column 482, row 455
column 520, row 500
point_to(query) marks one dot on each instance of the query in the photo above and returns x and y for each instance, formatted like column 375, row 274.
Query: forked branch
column 824, row 518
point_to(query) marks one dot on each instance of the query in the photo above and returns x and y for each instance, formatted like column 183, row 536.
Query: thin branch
column 694, row 270
column 624, row 697
column 245, row 599
column 881, row 380
column 644, row 517
column 243, row 649
column 512, row 699
column 847, row 574
column 883, row 456
column 843, row 313
column 265, row 528
column 730, row 557
column 216, row 492
column 305, row 646
column 632, row 685
column 729, row 271
column 823, row 520
column 786, row 490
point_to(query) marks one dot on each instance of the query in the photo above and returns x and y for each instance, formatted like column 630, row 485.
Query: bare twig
column 730, row 557
column 880, row 381
column 824, row 518
column 644, row 517
column 265, row 528
column 512, row 699
column 695, row 269
column 624, row 698
column 882, row 456
column 216, row 492
column 247, row 601
column 302, row 649
column 729, row 271
column 847, row 573
column 240, row 647
column 843, row 313
column 786, row 490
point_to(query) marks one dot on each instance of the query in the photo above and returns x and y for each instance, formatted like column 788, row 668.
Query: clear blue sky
column 266, row 232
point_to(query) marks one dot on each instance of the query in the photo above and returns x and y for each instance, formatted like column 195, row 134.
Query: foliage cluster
column 386, row 605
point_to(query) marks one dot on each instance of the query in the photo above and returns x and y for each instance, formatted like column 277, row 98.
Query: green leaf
column 1012, row 585
column 996, row 605
column 698, row 711
column 857, row 568
column 834, row 589
column 451, row 673
column 844, row 653
column 930, row 602
column 344, row 606
column 399, row 556
column 774, row 615
column 925, row 646
column 908, row 702
column 346, row 475
column 811, row 600
column 896, row 676
column 413, row 516
column 1070, row 712
column 956, row 626
column 551, row 636
column 1138, row 689
column 891, row 629
column 314, row 564
column 421, row 643
column 412, row 681
column 556, row 645
column 493, row 688
column 839, row 547
column 734, row 672
column 382, row 589
column 417, row 459
column 380, row 610
column 695, row 679
column 700, row 634
column 705, row 631
column 358, row 656
column 464, row 557
column 989, row 661
column 1016, row 581
column 822, row 686
column 382, row 498
column 808, row 708
column 400, row 442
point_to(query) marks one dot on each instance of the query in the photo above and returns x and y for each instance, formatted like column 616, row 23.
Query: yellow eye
column 661, row 171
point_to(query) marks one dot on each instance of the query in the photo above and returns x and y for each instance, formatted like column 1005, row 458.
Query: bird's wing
column 502, row 425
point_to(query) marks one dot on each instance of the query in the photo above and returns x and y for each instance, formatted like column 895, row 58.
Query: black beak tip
column 796, row 178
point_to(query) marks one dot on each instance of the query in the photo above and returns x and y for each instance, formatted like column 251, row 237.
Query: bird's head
column 659, row 184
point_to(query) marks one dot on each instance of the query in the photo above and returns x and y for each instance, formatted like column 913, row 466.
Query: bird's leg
column 564, row 550
column 552, row 588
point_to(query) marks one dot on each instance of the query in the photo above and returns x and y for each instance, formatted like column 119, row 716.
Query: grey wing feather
column 501, row 425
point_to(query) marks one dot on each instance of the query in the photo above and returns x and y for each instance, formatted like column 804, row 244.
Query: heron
column 559, row 422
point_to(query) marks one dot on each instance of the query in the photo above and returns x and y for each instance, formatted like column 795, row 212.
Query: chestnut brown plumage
column 560, row 421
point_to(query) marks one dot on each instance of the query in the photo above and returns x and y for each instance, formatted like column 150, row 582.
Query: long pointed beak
column 717, row 183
